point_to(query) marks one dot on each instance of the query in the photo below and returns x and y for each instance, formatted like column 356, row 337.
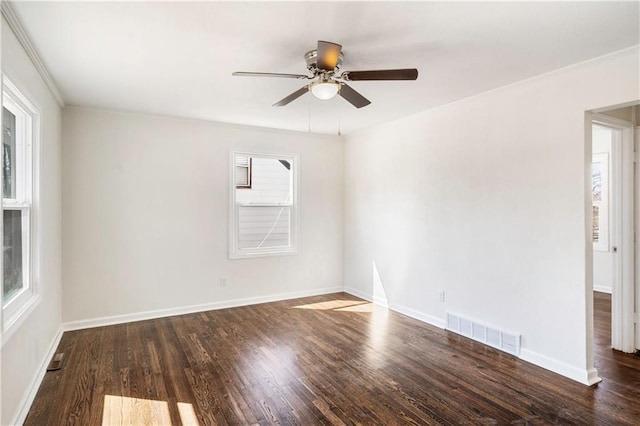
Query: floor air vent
column 489, row 336
column 56, row 362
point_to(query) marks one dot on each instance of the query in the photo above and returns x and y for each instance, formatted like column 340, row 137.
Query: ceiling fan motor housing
column 311, row 58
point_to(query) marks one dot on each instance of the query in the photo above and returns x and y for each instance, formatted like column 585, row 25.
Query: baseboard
column 382, row 301
column 592, row 377
column 602, row 289
column 162, row 313
column 585, row 376
column 32, row 389
column 410, row 312
column 358, row 293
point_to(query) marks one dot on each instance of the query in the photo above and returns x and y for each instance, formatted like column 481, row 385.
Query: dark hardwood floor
column 332, row 359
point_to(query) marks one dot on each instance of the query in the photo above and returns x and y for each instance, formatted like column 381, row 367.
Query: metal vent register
column 498, row 339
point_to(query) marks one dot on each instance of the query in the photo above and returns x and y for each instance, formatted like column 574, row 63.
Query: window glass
column 264, row 204
column 264, row 227
column 12, row 253
column 243, row 171
column 8, row 154
column 271, row 182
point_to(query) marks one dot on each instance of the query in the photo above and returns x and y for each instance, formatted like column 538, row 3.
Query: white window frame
column 17, row 308
column 234, row 209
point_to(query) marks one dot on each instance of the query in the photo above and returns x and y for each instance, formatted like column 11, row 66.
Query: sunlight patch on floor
column 122, row 410
column 331, row 304
column 187, row 414
column 378, row 337
column 363, row 307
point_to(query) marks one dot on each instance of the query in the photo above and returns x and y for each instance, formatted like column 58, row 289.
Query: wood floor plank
column 327, row 360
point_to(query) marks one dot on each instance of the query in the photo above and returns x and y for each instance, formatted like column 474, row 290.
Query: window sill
column 254, row 254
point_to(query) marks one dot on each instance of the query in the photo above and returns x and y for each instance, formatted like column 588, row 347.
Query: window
column 263, row 204
column 600, row 197
column 19, row 135
column 243, row 171
column 602, row 139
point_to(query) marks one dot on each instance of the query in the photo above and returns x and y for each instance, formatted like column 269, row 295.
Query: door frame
column 623, row 232
column 636, row 143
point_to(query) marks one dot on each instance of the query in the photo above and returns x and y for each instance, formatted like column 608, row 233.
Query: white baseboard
column 410, row 312
column 382, row 301
column 592, row 377
column 602, row 289
column 421, row 316
column 161, row 313
column 358, row 293
column 585, row 376
column 30, row 393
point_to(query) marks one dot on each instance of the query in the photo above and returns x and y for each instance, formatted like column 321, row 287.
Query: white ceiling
column 176, row 58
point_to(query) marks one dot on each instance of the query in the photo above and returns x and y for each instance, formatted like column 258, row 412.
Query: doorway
column 613, row 229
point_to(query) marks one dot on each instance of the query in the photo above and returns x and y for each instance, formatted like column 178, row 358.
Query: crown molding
column 22, row 36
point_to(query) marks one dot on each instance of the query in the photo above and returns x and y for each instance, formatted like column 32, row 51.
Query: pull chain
column 309, row 113
column 339, row 123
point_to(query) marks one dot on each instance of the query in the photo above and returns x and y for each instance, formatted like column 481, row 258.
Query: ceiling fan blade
column 400, row 74
column 268, row 74
column 328, row 55
column 292, row 97
column 353, row 97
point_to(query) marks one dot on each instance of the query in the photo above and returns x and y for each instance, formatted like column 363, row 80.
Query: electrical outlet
column 223, row 282
column 442, row 296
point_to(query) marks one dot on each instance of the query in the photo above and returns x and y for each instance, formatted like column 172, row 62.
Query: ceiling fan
column 324, row 64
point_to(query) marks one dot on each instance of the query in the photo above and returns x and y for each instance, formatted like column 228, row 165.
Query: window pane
column 270, row 182
column 12, row 253
column 243, row 171
column 8, row 154
column 261, row 227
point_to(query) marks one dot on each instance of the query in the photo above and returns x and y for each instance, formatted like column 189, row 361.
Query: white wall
column 27, row 349
column 603, row 260
column 146, row 214
column 486, row 199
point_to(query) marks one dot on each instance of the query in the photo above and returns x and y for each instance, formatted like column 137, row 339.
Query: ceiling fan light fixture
column 325, row 90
